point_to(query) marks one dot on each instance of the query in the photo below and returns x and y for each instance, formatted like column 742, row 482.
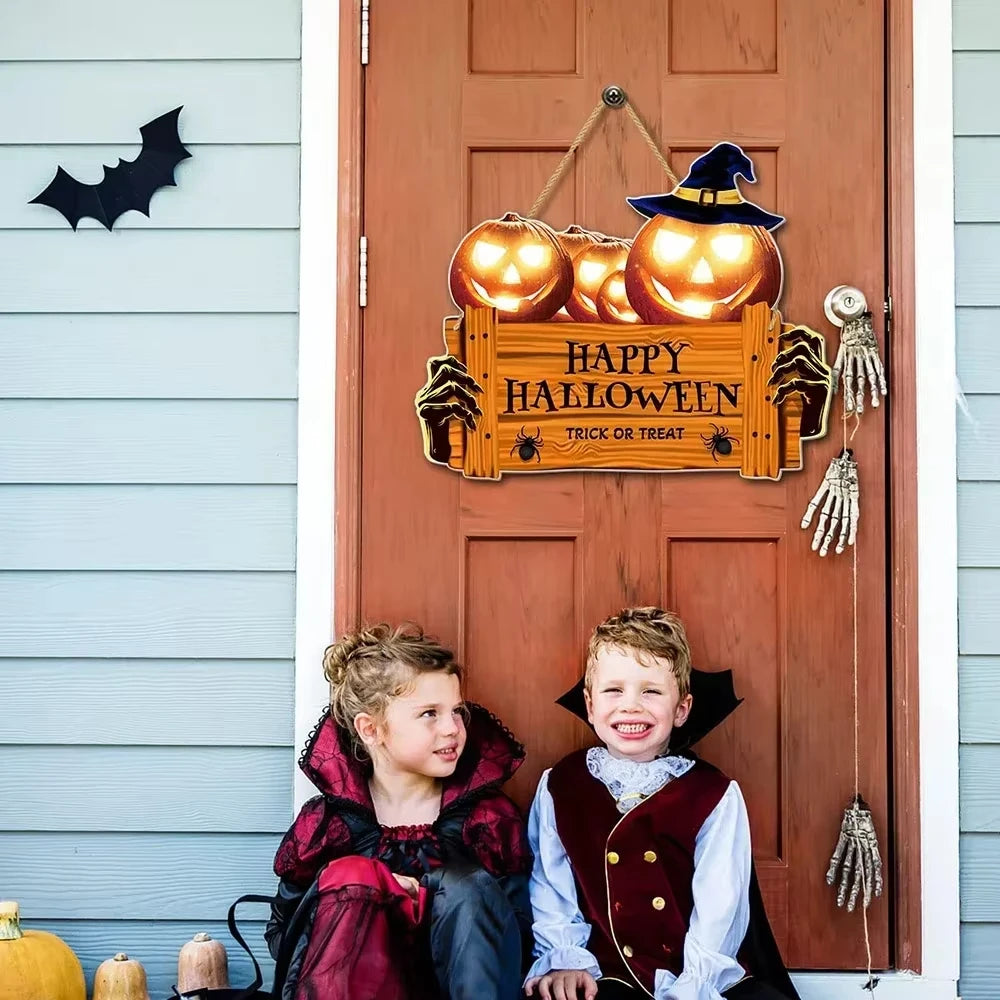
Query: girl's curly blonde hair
column 651, row 631
column 369, row 667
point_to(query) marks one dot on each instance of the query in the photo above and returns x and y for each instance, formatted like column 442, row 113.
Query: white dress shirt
column 720, row 888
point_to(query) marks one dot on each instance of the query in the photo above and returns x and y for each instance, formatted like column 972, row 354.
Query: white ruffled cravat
column 630, row 781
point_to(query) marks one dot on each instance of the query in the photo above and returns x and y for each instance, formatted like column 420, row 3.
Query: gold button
column 649, row 856
column 627, row 951
column 613, row 858
column 659, row 902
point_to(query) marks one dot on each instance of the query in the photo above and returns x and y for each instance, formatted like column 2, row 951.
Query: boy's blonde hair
column 646, row 632
column 371, row 666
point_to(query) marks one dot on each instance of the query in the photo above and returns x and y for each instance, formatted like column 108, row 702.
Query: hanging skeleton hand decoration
column 447, row 394
column 842, row 508
column 858, row 857
column 858, row 358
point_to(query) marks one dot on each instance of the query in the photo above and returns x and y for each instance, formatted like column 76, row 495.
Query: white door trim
column 314, row 537
column 937, row 514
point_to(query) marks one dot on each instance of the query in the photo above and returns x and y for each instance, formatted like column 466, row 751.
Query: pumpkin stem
column 512, row 217
column 202, row 936
column 10, row 921
column 121, row 957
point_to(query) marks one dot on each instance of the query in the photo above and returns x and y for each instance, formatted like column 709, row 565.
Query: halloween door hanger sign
column 664, row 351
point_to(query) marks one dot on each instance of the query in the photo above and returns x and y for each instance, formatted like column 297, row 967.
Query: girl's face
column 424, row 728
column 634, row 708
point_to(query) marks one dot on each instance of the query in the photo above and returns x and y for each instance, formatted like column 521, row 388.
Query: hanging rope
column 581, row 137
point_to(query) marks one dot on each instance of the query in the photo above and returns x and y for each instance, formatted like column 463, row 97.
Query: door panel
column 469, row 106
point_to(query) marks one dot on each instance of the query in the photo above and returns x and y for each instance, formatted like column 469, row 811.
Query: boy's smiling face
column 633, row 707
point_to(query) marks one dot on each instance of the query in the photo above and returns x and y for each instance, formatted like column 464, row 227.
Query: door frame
column 923, row 642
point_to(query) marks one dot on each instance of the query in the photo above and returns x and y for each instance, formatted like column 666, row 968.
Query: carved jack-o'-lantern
column 514, row 264
column 686, row 272
column 591, row 267
column 613, row 305
column 574, row 239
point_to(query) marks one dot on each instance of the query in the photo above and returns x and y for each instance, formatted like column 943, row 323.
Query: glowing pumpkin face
column 591, row 267
column 574, row 239
column 687, row 272
column 613, row 305
column 514, row 264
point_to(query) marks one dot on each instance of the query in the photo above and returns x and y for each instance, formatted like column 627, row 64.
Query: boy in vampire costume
column 643, row 882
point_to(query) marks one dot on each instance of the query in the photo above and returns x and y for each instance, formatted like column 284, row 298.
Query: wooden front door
column 468, row 108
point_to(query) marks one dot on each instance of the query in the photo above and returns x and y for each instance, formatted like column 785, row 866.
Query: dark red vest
column 634, row 871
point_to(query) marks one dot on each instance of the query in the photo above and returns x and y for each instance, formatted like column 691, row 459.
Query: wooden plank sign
column 562, row 396
column 661, row 352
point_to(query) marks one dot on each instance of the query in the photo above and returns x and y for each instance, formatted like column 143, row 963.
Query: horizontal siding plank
column 153, row 702
column 979, row 695
column 975, row 75
column 147, row 441
column 221, row 187
column 980, row 877
column 157, row 944
column 157, row 356
column 978, row 433
column 979, row 611
column 147, row 527
column 976, row 196
column 975, row 25
column 979, row 784
column 978, row 538
column 163, row 615
column 977, row 262
column 139, row 271
column 167, row 29
column 134, row 876
column 978, row 349
column 980, row 949
column 140, row 789
column 245, row 101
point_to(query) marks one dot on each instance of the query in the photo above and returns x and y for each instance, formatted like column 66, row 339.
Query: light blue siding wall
column 147, row 474
column 977, row 250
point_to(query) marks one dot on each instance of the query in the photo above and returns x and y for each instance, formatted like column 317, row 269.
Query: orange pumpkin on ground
column 517, row 265
column 120, row 978
column 202, row 963
column 36, row 965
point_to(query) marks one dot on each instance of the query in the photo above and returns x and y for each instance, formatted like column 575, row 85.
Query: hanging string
column 637, row 121
column 581, row 137
column 870, row 985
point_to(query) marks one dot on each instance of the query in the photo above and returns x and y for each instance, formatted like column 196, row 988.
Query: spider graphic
column 527, row 445
column 720, row 442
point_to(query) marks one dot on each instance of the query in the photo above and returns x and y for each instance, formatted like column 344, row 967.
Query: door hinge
column 363, row 272
column 887, row 309
column 365, row 30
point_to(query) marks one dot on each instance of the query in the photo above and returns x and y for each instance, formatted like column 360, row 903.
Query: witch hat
column 713, row 699
column 709, row 194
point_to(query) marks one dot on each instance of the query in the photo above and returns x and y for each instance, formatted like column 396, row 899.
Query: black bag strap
column 290, row 936
column 251, row 992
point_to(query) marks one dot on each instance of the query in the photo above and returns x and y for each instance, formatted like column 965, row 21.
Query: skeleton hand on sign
column 857, row 851
column 857, row 357
column 447, row 394
column 842, row 508
column 804, row 360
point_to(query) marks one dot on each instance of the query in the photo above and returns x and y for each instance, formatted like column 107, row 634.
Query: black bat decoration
column 129, row 185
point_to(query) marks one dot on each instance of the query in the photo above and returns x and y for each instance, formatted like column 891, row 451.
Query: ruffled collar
column 630, row 781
